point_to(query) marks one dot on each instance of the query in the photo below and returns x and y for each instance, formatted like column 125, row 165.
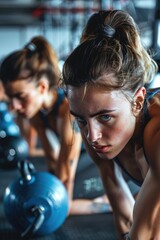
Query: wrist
column 125, row 236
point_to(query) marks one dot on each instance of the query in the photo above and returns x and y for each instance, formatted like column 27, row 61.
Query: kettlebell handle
column 38, row 212
column 26, row 169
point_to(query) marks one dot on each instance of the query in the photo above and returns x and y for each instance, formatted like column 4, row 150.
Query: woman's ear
column 139, row 98
column 43, row 85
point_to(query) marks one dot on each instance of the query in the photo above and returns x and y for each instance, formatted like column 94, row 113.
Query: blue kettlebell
column 35, row 203
column 8, row 126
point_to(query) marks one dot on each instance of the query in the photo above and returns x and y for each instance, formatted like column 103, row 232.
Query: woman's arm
column 63, row 162
column 120, row 197
column 117, row 190
column 70, row 147
column 146, row 224
column 30, row 135
column 146, row 218
column 50, row 152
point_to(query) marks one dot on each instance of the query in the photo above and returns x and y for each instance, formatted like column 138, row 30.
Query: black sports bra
column 139, row 183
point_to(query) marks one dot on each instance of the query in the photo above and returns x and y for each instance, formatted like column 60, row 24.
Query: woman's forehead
column 93, row 101
column 18, row 85
column 92, row 95
column 91, row 89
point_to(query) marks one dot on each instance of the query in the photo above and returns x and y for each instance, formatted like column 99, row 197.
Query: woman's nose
column 94, row 133
column 15, row 104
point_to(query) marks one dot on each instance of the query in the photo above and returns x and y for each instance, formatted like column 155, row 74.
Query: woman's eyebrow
column 103, row 111
column 74, row 114
column 14, row 95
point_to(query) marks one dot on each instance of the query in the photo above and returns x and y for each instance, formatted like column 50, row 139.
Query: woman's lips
column 22, row 114
column 102, row 149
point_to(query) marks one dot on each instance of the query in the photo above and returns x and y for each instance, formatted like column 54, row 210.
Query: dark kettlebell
column 35, row 203
column 12, row 150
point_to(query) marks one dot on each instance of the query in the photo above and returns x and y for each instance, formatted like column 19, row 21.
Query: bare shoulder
column 64, row 108
column 154, row 103
column 152, row 142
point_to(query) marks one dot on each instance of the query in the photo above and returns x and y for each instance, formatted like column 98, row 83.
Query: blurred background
column 62, row 21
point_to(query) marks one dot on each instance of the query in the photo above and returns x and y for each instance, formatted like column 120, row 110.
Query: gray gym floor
column 84, row 227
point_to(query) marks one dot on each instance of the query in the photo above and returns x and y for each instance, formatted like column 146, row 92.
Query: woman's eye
column 22, row 97
column 80, row 121
column 105, row 118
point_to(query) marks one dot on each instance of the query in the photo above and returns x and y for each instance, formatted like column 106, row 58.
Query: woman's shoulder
column 152, row 151
column 153, row 112
column 151, row 92
column 151, row 136
column 152, row 128
column 153, row 97
column 60, row 102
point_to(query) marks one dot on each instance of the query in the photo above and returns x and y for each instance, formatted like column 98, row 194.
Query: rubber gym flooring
column 77, row 227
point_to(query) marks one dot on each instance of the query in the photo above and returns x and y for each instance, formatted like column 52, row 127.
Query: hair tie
column 106, row 31
column 31, row 47
column 103, row 29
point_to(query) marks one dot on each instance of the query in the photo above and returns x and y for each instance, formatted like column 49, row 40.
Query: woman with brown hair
column 30, row 78
column 105, row 79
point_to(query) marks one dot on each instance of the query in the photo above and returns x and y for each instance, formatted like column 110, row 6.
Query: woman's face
column 25, row 97
column 105, row 118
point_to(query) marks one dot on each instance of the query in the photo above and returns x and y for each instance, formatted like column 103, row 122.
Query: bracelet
column 125, row 236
